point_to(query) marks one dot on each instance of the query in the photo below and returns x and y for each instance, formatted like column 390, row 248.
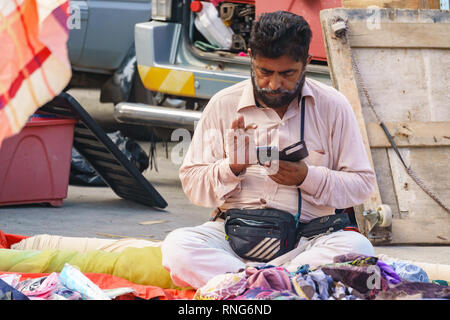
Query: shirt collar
column 248, row 98
column 306, row 90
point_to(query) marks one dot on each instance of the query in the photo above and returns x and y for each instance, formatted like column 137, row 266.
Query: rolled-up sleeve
column 350, row 180
column 205, row 173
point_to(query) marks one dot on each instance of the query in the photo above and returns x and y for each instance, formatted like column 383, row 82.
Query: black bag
column 324, row 224
column 260, row 234
column 265, row 234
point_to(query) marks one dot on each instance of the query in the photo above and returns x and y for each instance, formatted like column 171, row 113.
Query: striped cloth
column 34, row 64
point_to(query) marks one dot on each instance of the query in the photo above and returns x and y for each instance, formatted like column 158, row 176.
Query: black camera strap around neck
column 302, row 138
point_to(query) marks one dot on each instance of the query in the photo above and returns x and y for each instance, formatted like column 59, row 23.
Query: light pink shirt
column 339, row 173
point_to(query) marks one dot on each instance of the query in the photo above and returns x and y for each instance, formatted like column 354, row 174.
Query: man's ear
column 308, row 60
column 249, row 53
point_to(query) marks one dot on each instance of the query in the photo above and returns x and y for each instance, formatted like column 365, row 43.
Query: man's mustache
column 277, row 91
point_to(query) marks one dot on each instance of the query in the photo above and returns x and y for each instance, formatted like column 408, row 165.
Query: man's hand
column 286, row 172
column 241, row 145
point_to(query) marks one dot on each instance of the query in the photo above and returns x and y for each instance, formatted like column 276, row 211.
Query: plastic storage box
column 208, row 22
column 35, row 163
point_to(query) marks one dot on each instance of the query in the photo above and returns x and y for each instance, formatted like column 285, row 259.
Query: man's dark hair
column 280, row 33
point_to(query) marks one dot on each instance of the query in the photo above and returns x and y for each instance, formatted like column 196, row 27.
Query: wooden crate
column 404, row 60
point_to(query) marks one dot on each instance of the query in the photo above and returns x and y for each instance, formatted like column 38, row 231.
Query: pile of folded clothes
column 350, row 277
column 69, row 284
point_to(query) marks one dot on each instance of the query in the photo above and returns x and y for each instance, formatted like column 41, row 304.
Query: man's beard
column 286, row 97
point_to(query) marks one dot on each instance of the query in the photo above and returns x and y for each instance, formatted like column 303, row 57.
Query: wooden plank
column 395, row 35
column 402, row 182
column 405, row 84
column 342, row 77
column 410, row 134
column 402, row 4
column 419, row 219
column 384, row 177
column 382, row 235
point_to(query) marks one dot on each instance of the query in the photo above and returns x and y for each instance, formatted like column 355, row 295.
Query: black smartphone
column 295, row 152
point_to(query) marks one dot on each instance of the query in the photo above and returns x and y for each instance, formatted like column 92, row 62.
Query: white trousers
column 193, row 255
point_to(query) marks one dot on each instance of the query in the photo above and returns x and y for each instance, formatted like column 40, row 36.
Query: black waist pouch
column 323, row 225
column 260, row 234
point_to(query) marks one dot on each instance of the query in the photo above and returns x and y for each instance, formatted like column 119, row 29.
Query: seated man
column 267, row 107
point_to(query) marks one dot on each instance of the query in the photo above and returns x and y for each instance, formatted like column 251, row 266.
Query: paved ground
column 99, row 212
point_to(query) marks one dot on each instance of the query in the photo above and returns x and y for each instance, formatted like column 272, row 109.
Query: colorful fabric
column 342, row 292
column 358, row 278
column 267, row 294
column 275, row 278
column 393, row 270
column 317, row 285
column 304, row 269
column 222, row 287
column 7, row 239
column 441, row 282
column 364, row 273
column 275, row 283
column 362, row 279
column 388, row 273
column 8, row 292
column 305, row 287
column 80, row 244
column 73, row 279
column 356, row 259
column 409, row 272
column 416, row 290
column 10, row 278
column 39, row 288
column 138, row 265
column 323, row 283
column 109, row 282
column 34, row 64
